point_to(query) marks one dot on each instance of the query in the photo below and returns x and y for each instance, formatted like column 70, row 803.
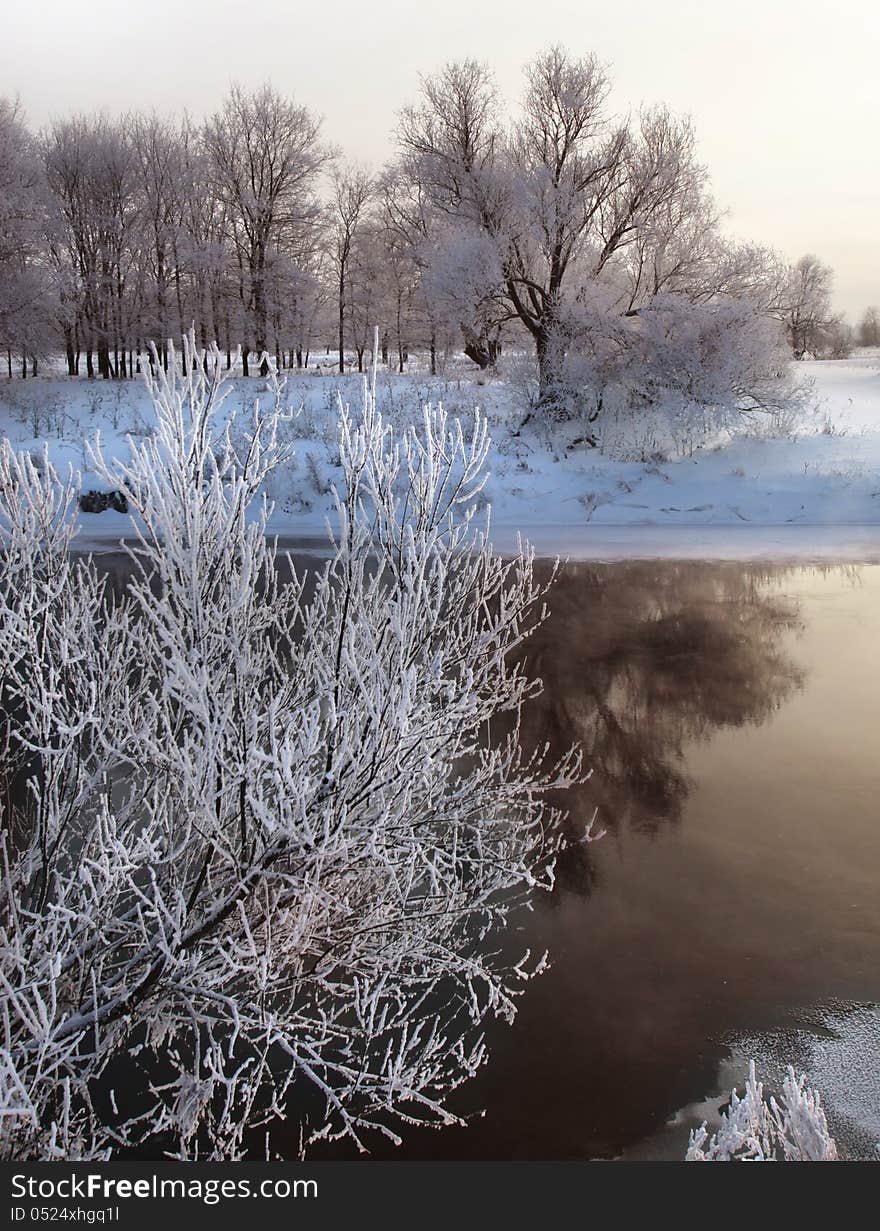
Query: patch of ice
column 838, row 1048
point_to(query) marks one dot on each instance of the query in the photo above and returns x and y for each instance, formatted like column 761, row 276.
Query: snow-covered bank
column 804, row 544
column 711, row 542
column 812, row 493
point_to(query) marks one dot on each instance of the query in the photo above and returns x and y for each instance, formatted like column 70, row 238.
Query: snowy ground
column 813, row 491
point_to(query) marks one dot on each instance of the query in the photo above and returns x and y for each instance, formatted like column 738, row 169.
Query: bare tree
column 869, row 327
column 452, row 139
column 448, row 175
column 160, row 170
column 266, row 156
column 539, row 227
column 90, row 164
column 560, row 195
column 204, row 261
column 352, row 191
column 24, row 289
column 367, row 287
column 805, row 309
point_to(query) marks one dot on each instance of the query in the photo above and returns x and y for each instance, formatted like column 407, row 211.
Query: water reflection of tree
column 638, row 659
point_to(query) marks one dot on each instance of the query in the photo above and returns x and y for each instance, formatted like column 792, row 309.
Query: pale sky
column 785, row 95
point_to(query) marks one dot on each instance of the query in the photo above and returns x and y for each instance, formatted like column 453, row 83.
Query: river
column 731, row 713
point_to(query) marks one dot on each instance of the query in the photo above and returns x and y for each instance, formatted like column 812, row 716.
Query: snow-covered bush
column 255, row 839
column 757, row 1129
column 724, row 353
column 836, row 341
column 695, row 368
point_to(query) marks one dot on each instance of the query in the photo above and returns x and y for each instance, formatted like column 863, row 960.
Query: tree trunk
column 103, row 360
column 261, row 317
column 476, row 348
column 478, row 354
column 549, row 362
column 341, row 327
column 178, row 294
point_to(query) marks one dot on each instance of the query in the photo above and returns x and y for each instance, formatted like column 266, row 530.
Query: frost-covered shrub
column 261, row 841
column 313, row 468
column 757, row 1129
column 723, row 353
column 696, row 368
column 836, row 341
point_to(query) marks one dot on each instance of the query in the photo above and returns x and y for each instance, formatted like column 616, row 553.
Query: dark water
column 731, row 713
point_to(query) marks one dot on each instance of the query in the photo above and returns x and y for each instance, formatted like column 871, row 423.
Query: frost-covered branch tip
column 760, row 1129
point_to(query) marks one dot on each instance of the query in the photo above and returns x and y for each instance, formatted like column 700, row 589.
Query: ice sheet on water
column 837, row 1046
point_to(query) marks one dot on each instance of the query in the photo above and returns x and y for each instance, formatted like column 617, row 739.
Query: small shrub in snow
column 316, row 478
column 757, row 1129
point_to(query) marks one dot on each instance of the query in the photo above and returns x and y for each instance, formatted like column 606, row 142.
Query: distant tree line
column 564, row 228
column 869, row 327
